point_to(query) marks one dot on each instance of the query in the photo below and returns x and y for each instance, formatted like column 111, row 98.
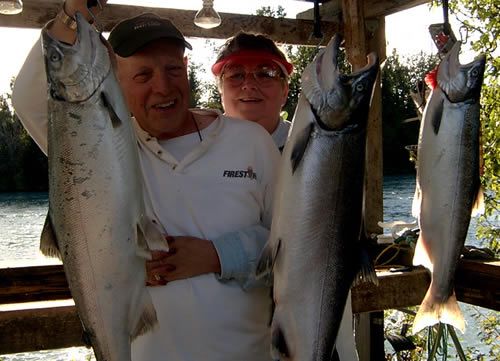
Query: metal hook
column 92, row 3
column 317, row 21
column 464, row 29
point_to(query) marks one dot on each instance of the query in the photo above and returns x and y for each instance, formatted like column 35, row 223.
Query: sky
column 406, row 31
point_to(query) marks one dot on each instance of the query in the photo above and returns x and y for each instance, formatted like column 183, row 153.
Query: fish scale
column 448, row 186
column 96, row 222
column 314, row 247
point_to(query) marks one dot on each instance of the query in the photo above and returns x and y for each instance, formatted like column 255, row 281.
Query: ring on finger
column 157, row 277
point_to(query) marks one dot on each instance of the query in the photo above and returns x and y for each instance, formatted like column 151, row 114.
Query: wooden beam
column 377, row 8
column 476, row 282
column 332, row 10
column 25, row 329
column 39, row 329
column 290, row 31
column 31, row 284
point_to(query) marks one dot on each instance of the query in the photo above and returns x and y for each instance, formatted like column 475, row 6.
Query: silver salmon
column 96, row 222
column 448, row 183
column 314, row 246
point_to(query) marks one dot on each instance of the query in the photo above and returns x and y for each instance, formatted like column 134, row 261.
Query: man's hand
column 72, row 6
column 187, row 257
column 61, row 31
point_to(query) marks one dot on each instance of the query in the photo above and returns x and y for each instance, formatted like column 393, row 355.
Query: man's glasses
column 263, row 75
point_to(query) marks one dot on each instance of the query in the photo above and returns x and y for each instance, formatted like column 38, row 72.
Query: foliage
column 23, row 167
column 268, row 11
column 214, row 100
column 195, row 84
column 399, row 77
column 482, row 19
column 299, row 56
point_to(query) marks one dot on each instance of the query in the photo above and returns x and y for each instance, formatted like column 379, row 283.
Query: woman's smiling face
column 255, row 89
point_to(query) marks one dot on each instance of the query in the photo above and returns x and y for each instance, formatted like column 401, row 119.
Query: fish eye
column 55, row 56
column 359, row 87
column 475, row 72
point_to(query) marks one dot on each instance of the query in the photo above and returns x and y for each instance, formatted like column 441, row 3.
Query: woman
column 258, row 98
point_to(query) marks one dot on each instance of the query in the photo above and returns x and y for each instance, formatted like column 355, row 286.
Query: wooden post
column 374, row 206
column 354, row 32
column 369, row 326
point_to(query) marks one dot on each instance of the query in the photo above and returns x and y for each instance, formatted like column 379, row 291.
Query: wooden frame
column 29, row 329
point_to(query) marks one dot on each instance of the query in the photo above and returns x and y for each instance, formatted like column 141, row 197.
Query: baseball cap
column 131, row 34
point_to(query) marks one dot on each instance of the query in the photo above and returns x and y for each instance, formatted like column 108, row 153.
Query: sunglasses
column 264, row 75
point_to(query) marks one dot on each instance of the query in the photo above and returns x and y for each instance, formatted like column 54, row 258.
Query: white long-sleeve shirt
column 222, row 185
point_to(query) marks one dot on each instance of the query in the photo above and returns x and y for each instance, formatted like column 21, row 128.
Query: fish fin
column 434, row 110
column 147, row 320
column 431, row 312
column 366, row 272
column 153, row 236
column 300, row 146
column 279, row 347
column 478, row 207
column 113, row 101
column 421, row 254
column 335, row 355
column 267, row 259
column 86, row 337
column 115, row 119
column 48, row 240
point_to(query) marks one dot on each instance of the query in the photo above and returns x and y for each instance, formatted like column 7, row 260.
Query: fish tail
column 431, row 312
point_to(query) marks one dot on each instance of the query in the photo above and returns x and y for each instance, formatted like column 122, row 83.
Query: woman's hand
column 187, row 257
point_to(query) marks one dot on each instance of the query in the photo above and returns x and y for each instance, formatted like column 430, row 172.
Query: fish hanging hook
column 317, row 21
column 464, row 34
column 317, row 33
column 93, row 3
column 441, row 33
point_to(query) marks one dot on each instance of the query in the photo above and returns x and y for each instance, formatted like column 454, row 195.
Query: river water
column 22, row 216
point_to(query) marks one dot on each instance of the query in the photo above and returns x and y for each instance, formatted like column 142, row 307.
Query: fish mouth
column 334, row 96
column 460, row 81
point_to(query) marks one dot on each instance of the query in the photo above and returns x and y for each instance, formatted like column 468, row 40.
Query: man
column 210, row 181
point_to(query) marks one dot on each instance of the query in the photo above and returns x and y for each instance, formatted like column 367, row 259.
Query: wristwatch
column 67, row 20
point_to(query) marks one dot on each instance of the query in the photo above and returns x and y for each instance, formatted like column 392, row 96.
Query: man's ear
column 185, row 61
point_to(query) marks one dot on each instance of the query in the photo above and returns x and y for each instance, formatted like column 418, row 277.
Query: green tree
column 399, row 77
column 195, row 85
column 482, row 20
column 23, row 167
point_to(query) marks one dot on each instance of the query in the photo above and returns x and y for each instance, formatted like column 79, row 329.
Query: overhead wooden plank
column 332, row 10
column 377, row 8
column 290, row 31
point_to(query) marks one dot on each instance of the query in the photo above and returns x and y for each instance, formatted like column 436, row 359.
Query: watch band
column 67, row 20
